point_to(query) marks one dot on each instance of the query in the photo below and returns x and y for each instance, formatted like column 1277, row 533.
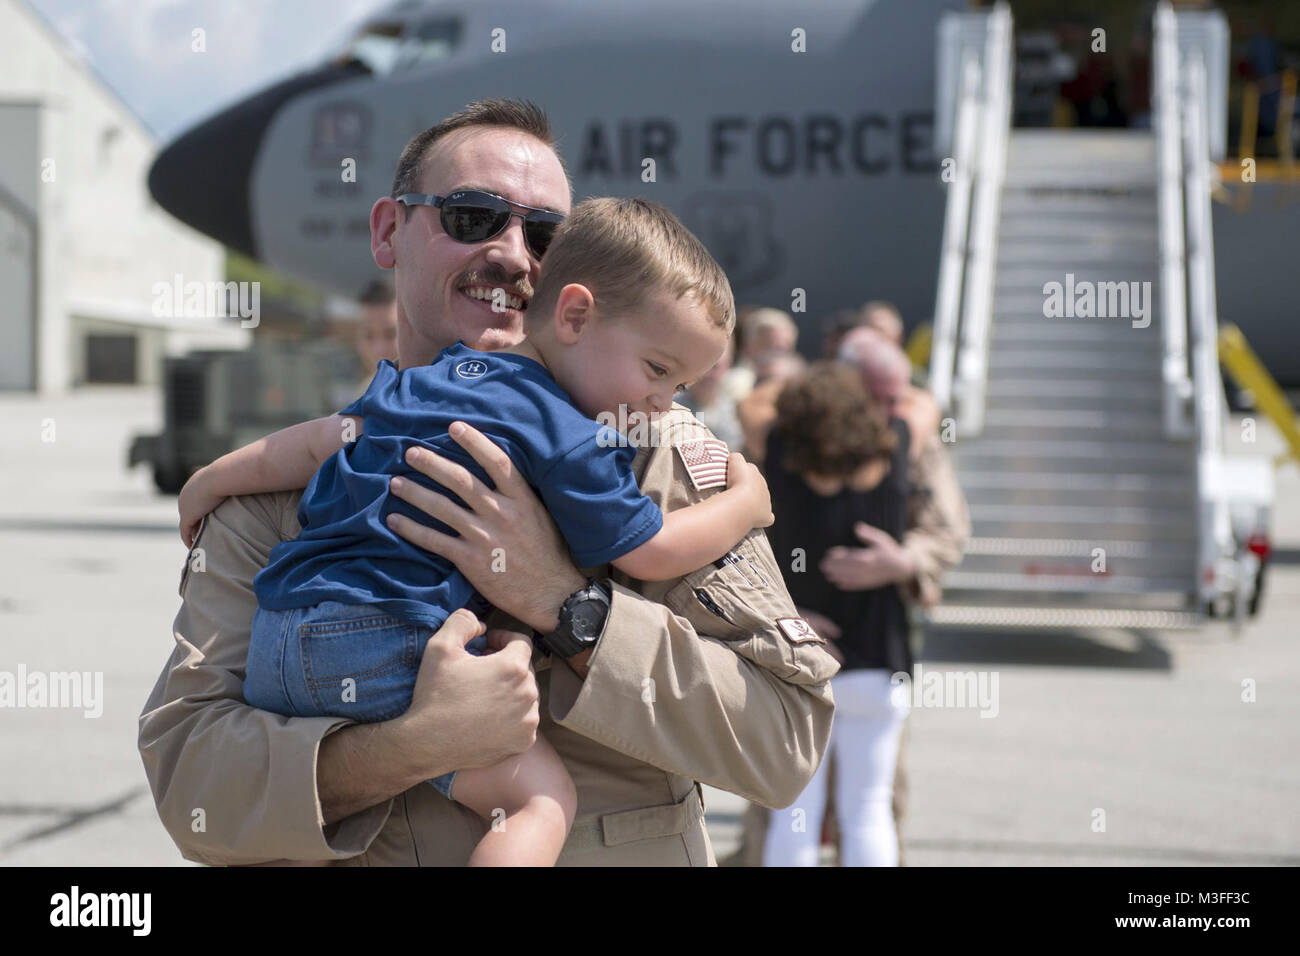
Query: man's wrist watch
column 582, row 620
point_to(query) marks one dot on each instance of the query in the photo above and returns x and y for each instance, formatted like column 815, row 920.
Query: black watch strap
column 582, row 620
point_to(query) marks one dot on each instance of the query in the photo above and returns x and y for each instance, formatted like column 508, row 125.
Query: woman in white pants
column 869, row 714
column 837, row 471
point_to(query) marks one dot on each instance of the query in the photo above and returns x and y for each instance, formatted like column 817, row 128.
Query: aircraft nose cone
column 202, row 178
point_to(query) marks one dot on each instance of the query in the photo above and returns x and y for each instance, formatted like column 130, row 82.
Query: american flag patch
column 706, row 462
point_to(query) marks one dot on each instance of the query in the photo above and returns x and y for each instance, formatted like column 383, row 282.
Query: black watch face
column 588, row 619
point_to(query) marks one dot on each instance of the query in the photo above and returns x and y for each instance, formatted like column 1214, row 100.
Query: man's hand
column 826, row 628
column 744, row 478
column 195, row 502
column 485, row 706
column 883, row 561
column 507, row 523
column 466, row 711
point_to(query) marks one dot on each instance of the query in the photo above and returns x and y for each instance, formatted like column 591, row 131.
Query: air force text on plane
column 868, row 144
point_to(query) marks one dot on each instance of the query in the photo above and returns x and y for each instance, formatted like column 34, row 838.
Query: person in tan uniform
column 709, row 678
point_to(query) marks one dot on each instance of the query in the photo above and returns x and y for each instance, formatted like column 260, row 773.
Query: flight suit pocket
column 742, row 600
column 710, row 599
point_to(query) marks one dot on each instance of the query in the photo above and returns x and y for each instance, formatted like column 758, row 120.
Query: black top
column 873, row 623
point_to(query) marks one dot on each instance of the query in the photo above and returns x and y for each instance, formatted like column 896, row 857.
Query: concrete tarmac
column 1149, row 728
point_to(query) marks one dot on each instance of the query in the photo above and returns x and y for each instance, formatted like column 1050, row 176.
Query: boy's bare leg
column 528, row 801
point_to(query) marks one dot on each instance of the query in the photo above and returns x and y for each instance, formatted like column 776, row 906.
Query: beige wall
column 104, row 242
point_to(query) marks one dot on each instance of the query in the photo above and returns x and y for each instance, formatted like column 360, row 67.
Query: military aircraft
column 796, row 140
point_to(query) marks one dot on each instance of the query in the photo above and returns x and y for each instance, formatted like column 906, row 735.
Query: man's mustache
column 496, row 276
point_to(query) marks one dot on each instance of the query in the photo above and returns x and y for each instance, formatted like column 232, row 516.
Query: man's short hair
column 522, row 115
column 625, row 249
column 753, row 321
column 885, row 318
column 837, row 325
column 778, row 366
column 378, row 292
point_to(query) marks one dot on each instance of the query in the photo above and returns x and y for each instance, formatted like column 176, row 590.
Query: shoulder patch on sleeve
column 705, row 460
column 798, row 631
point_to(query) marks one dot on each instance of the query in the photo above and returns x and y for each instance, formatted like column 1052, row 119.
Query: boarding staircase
column 1083, row 444
column 1077, row 499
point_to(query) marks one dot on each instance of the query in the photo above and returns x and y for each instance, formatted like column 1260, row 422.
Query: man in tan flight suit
column 710, row 678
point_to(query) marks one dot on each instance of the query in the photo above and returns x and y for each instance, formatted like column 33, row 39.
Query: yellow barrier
column 918, row 346
column 1248, row 372
column 1284, row 169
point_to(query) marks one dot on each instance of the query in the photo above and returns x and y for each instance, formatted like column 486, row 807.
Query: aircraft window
column 377, row 46
column 431, row 41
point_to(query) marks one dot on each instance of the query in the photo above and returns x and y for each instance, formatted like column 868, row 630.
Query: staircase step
column 1102, row 421
column 1017, row 455
column 1182, row 530
column 980, row 454
column 973, row 458
column 1095, row 150
column 1073, row 334
column 1116, row 483
column 1087, row 515
column 1084, row 242
column 1075, row 175
column 1076, row 360
column 1027, row 299
column 1128, row 431
column 1013, row 277
column 1043, row 547
column 1177, row 568
column 1022, row 230
column 1065, row 207
column 958, row 615
column 1117, row 263
column 1045, row 424
column 961, row 580
column 1079, row 368
column 1074, row 392
column 1069, row 334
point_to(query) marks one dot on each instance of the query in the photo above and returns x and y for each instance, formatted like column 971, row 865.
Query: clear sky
column 142, row 48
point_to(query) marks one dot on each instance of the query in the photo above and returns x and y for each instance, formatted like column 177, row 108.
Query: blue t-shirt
column 347, row 553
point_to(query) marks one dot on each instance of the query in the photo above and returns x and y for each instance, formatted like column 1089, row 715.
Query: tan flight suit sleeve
column 697, row 675
column 234, row 784
column 938, row 522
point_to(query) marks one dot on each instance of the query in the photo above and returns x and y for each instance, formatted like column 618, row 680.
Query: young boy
column 630, row 309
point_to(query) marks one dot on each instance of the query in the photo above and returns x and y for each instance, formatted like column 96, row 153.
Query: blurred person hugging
column 837, row 468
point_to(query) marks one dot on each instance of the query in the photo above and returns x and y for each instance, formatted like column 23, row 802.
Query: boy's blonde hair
column 625, row 249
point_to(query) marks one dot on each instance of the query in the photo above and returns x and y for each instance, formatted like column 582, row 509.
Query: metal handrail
column 1203, row 313
column 1214, row 531
column 956, row 222
column 1177, row 383
column 990, row 170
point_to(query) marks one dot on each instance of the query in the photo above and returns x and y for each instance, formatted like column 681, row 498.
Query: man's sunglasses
column 474, row 216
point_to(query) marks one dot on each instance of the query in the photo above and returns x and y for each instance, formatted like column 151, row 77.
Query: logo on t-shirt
column 474, row 368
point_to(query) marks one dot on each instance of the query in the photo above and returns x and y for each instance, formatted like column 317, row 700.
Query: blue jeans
column 338, row 660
